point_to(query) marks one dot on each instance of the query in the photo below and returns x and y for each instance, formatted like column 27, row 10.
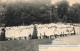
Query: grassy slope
column 22, row 45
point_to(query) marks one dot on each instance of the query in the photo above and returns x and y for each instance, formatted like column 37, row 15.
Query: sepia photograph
column 26, row 24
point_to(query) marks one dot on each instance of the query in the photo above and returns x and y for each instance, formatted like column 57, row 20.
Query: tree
column 74, row 13
column 2, row 12
column 64, row 19
column 54, row 14
column 62, row 8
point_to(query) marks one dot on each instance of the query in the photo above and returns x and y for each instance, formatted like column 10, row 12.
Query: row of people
column 26, row 32
column 21, row 31
column 40, row 37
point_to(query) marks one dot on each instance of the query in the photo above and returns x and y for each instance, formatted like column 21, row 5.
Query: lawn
column 23, row 45
column 32, row 45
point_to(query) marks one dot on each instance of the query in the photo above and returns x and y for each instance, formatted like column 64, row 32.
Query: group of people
column 43, row 31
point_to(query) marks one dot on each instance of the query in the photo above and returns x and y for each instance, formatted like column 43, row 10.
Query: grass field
column 23, row 45
column 32, row 45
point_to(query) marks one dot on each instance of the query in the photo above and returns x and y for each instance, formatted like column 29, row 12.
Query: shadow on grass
column 23, row 45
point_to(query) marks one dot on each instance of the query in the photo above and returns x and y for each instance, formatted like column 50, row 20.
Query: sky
column 70, row 1
column 52, row 1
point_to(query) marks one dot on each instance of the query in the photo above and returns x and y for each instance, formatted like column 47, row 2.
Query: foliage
column 22, row 13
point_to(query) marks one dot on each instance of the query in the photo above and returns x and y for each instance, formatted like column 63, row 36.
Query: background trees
column 62, row 10
column 22, row 13
column 74, row 13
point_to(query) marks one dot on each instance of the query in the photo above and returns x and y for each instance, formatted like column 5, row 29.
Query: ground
column 74, row 39
column 32, row 45
column 22, row 45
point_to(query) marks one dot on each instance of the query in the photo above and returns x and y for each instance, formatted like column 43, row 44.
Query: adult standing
column 2, row 35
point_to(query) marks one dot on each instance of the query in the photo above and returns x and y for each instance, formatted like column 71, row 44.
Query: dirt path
column 74, row 39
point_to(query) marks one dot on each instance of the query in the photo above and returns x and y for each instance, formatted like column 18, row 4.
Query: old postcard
column 39, row 25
